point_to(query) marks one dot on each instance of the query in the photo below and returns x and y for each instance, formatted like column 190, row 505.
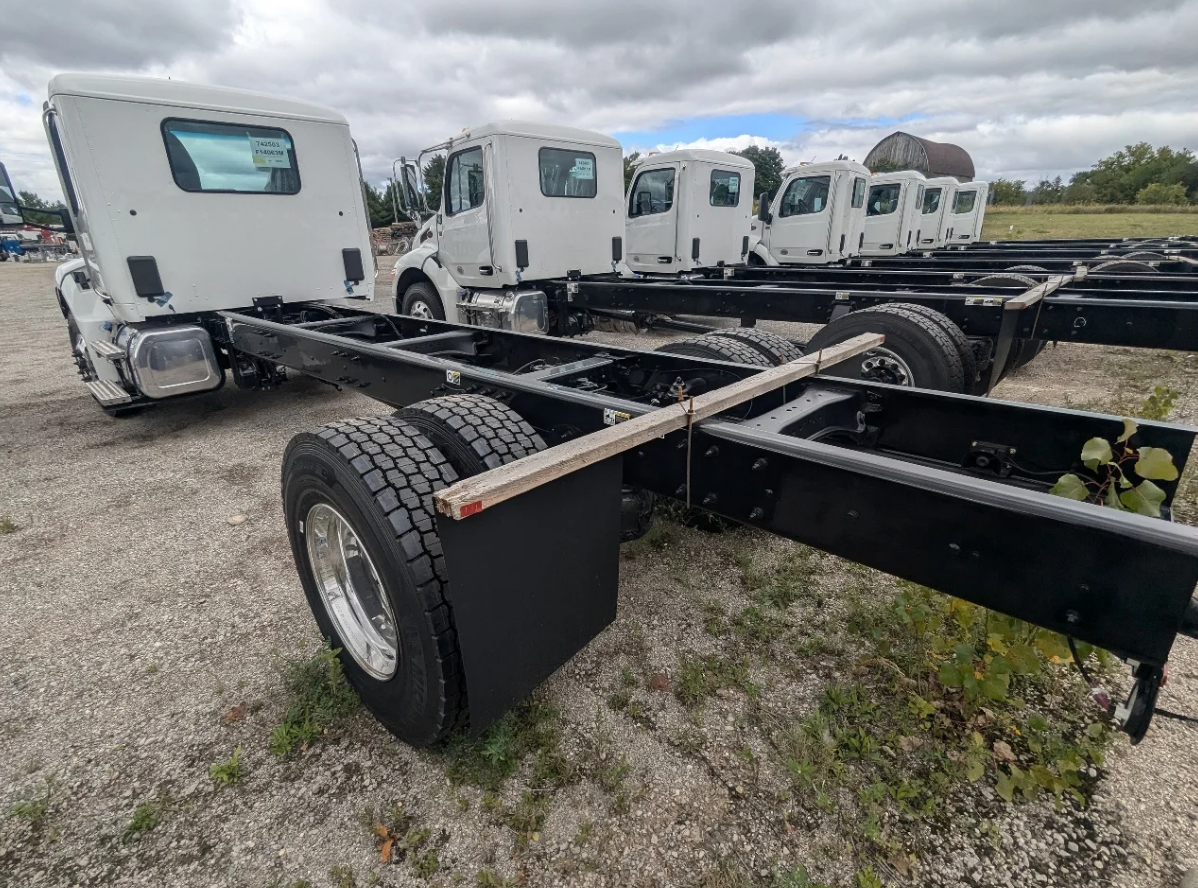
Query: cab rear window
column 566, row 173
column 230, row 158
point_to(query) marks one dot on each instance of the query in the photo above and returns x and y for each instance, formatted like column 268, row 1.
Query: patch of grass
column 867, row 878
column 396, row 837
column 490, row 879
column 758, row 625
column 528, row 817
column 426, row 865
column 1087, row 221
column 342, row 876
column 586, row 830
column 714, row 619
column 35, row 810
column 795, row 878
column 318, row 695
column 7, row 525
column 660, row 536
column 936, row 696
column 146, row 816
column 779, row 586
column 228, row 772
column 699, row 678
column 487, row 761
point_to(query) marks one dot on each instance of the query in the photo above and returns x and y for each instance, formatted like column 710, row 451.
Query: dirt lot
column 720, row 733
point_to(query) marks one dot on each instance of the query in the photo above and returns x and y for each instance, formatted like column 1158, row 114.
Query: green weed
column 487, row 761
column 228, row 772
column 318, row 695
column 146, row 816
column 699, row 678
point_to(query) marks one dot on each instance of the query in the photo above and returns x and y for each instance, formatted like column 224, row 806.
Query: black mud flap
column 531, row 581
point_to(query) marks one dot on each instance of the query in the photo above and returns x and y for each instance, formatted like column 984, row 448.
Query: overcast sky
column 1031, row 88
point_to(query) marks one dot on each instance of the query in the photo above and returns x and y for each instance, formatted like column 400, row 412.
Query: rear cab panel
column 261, row 176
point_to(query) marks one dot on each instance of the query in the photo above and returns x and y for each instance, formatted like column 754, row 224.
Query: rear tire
column 718, row 348
column 379, row 475
column 969, row 361
column 1124, row 266
column 1005, row 279
column 421, row 300
column 774, row 347
column 917, row 351
column 474, row 432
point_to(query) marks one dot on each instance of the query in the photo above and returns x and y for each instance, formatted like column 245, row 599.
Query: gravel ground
column 138, row 620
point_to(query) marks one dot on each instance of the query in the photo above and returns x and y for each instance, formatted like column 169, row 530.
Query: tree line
column 1137, row 174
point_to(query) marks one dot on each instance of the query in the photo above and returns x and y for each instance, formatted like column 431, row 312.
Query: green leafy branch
column 1111, row 485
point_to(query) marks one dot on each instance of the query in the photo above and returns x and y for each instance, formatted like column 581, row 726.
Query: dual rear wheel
column 357, row 497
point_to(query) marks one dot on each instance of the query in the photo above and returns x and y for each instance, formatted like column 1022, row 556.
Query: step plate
column 107, row 350
column 109, row 394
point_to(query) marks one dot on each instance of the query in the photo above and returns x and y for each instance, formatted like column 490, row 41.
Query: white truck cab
column 938, row 195
column 892, row 213
column 144, row 164
column 815, row 218
column 964, row 217
column 687, row 209
column 521, row 202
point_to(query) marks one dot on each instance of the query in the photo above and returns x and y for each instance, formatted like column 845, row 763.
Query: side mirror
column 763, row 208
column 644, row 203
column 68, row 226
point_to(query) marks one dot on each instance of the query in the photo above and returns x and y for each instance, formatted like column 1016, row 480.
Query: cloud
column 113, row 34
column 1028, row 88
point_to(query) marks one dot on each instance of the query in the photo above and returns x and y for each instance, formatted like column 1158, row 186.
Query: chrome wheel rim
column 351, row 592
column 883, row 365
column 421, row 309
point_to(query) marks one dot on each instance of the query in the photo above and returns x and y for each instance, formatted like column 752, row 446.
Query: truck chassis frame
column 923, row 485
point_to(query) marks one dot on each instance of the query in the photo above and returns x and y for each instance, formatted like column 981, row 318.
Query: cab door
column 931, row 215
column 463, row 238
column 798, row 231
column 652, row 222
column 963, row 217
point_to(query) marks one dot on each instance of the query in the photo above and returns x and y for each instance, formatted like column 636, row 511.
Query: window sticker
column 584, row 168
column 270, row 153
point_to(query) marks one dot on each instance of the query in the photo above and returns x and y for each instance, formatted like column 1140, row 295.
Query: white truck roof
column 824, row 166
column 706, row 154
column 178, row 93
column 898, row 176
column 535, row 131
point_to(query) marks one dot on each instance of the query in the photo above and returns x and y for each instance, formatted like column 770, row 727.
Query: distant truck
column 688, row 209
column 816, row 216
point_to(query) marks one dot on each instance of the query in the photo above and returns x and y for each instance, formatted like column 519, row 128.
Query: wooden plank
column 1036, row 293
column 474, row 494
